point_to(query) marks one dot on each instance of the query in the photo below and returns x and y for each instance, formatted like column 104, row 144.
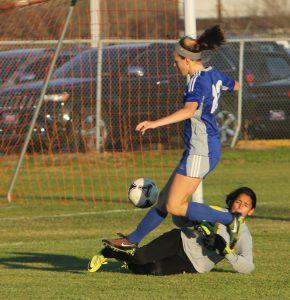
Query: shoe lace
column 124, row 266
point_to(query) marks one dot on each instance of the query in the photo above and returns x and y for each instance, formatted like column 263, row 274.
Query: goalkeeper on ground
column 195, row 249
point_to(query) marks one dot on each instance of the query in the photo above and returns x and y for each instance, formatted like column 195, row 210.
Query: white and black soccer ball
column 143, row 192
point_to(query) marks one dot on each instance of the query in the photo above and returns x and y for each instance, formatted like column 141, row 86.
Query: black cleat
column 121, row 244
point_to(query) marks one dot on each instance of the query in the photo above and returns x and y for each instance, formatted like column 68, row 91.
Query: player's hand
column 143, row 126
column 217, row 242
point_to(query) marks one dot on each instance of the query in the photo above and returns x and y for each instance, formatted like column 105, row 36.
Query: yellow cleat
column 96, row 262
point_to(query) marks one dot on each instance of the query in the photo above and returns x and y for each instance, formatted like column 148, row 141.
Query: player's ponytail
column 211, row 38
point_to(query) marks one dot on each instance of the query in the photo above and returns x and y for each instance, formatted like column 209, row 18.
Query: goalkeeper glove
column 205, row 229
column 217, row 242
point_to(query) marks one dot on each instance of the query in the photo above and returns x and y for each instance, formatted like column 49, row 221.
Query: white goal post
column 190, row 30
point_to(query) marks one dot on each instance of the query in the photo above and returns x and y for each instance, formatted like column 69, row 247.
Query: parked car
column 266, row 90
column 11, row 60
column 34, row 65
column 139, row 82
column 285, row 45
column 67, row 118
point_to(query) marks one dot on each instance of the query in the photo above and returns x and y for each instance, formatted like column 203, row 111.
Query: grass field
column 45, row 245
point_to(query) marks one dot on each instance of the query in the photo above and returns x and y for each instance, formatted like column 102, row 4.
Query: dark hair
column 211, row 38
column 242, row 190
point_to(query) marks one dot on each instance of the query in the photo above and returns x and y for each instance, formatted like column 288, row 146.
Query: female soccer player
column 201, row 138
column 188, row 250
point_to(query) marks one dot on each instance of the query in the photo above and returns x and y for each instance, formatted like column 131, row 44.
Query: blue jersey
column 201, row 133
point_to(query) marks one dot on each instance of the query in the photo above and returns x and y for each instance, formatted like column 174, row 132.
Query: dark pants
column 162, row 256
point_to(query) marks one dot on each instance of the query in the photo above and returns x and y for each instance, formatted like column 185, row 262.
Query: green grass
column 45, row 243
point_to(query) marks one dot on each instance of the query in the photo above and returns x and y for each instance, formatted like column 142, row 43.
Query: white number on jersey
column 216, row 93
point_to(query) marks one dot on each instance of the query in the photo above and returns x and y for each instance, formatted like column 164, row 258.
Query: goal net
column 114, row 70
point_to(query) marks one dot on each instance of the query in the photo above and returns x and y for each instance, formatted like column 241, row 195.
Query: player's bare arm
column 182, row 114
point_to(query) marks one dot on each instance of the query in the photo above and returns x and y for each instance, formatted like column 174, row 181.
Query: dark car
column 139, row 82
column 67, row 117
column 266, row 91
column 51, row 127
column 33, row 64
column 11, row 60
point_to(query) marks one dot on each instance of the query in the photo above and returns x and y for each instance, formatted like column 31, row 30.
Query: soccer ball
column 143, row 192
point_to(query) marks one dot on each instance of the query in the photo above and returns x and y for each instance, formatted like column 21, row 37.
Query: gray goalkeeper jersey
column 204, row 259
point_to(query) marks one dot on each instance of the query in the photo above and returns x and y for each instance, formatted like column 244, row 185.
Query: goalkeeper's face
column 243, row 204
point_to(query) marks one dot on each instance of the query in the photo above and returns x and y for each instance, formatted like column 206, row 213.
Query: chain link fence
column 97, row 95
column 266, row 92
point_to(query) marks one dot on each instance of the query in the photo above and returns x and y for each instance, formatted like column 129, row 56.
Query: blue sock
column 152, row 219
column 201, row 212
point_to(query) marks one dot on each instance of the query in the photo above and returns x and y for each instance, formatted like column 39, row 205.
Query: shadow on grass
column 63, row 263
column 54, row 263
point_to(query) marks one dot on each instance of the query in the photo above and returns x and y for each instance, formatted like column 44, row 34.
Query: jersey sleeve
column 242, row 260
column 228, row 82
column 242, row 257
column 194, row 92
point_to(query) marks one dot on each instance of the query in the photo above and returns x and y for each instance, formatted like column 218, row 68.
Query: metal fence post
column 240, row 95
column 99, row 97
column 96, row 42
column 39, row 104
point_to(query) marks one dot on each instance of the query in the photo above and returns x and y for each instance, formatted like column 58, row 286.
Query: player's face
column 243, row 205
column 181, row 64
